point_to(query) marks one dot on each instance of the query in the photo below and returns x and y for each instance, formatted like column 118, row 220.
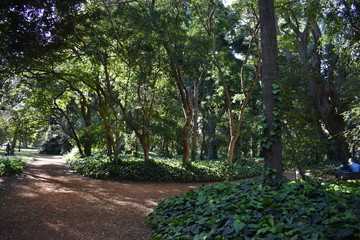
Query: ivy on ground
column 249, row 209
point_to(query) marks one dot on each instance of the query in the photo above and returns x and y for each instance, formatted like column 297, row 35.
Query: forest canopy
column 182, row 77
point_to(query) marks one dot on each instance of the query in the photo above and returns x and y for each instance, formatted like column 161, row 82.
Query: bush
column 250, row 210
column 58, row 144
column 162, row 170
column 11, row 165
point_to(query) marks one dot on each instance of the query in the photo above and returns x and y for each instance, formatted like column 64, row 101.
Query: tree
column 324, row 66
column 19, row 116
column 218, row 22
column 173, row 39
column 143, row 74
column 269, row 77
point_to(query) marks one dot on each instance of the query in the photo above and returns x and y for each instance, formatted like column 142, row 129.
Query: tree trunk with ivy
column 269, row 76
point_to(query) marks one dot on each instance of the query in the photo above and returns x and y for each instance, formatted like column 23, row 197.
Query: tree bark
column 13, row 144
column 186, row 139
column 203, row 143
column 88, row 140
column 231, row 148
column 109, row 139
column 270, row 75
column 145, row 144
column 195, row 120
column 212, row 144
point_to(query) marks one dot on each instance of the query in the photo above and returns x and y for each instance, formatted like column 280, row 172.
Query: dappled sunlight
column 50, row 200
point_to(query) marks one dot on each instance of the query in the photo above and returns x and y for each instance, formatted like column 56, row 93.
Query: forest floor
column 49, row 201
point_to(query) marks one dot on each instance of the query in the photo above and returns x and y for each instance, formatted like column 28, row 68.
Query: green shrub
column 58, row 144
column 11, row 165
column 162, row 170
column 251, row 210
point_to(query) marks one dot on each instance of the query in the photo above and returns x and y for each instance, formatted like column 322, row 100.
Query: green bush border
column 163, row 170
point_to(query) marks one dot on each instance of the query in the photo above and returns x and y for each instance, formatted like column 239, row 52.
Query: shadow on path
column 49, row 201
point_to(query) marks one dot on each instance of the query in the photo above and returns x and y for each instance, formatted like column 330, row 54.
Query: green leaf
column 275, row 86
column 238, row 226
column 275, row 91
column 276, row 113
column 202, row 220
column 263, row 230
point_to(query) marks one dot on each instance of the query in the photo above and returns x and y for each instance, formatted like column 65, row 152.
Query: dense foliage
column 163, row 170
column 180, row 77
column 11, row 165
column 251, row 210
column 56, row 145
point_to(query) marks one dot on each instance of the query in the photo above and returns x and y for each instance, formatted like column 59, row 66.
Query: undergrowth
column 11, row 165
column 248, row 209
column 162, row 170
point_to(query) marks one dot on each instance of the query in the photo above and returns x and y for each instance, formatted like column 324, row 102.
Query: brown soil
column 49, row 201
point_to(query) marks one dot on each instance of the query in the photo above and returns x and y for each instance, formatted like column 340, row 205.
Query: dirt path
column 49, row 201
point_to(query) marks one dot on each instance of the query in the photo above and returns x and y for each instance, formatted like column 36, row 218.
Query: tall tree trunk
column 13, row 143
column 212, row 144
column 116, row 144
column 270, row 75
column 187, row 106
column 88, row 139
column 231, row 148
column 195, row 120
column 203, row 138
column 109, row 139
column 186, row 140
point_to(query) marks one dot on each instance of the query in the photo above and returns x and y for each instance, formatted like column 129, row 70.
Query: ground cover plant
column 11, row 165
column 162, row 170
column 248, row 209
column 16, row 164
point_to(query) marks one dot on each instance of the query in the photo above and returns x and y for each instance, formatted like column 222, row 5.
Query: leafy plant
column 249, row 209
column 163, row 170
column 11, row 165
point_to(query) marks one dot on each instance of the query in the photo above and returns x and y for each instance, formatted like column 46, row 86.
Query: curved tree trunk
column 145, row 144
